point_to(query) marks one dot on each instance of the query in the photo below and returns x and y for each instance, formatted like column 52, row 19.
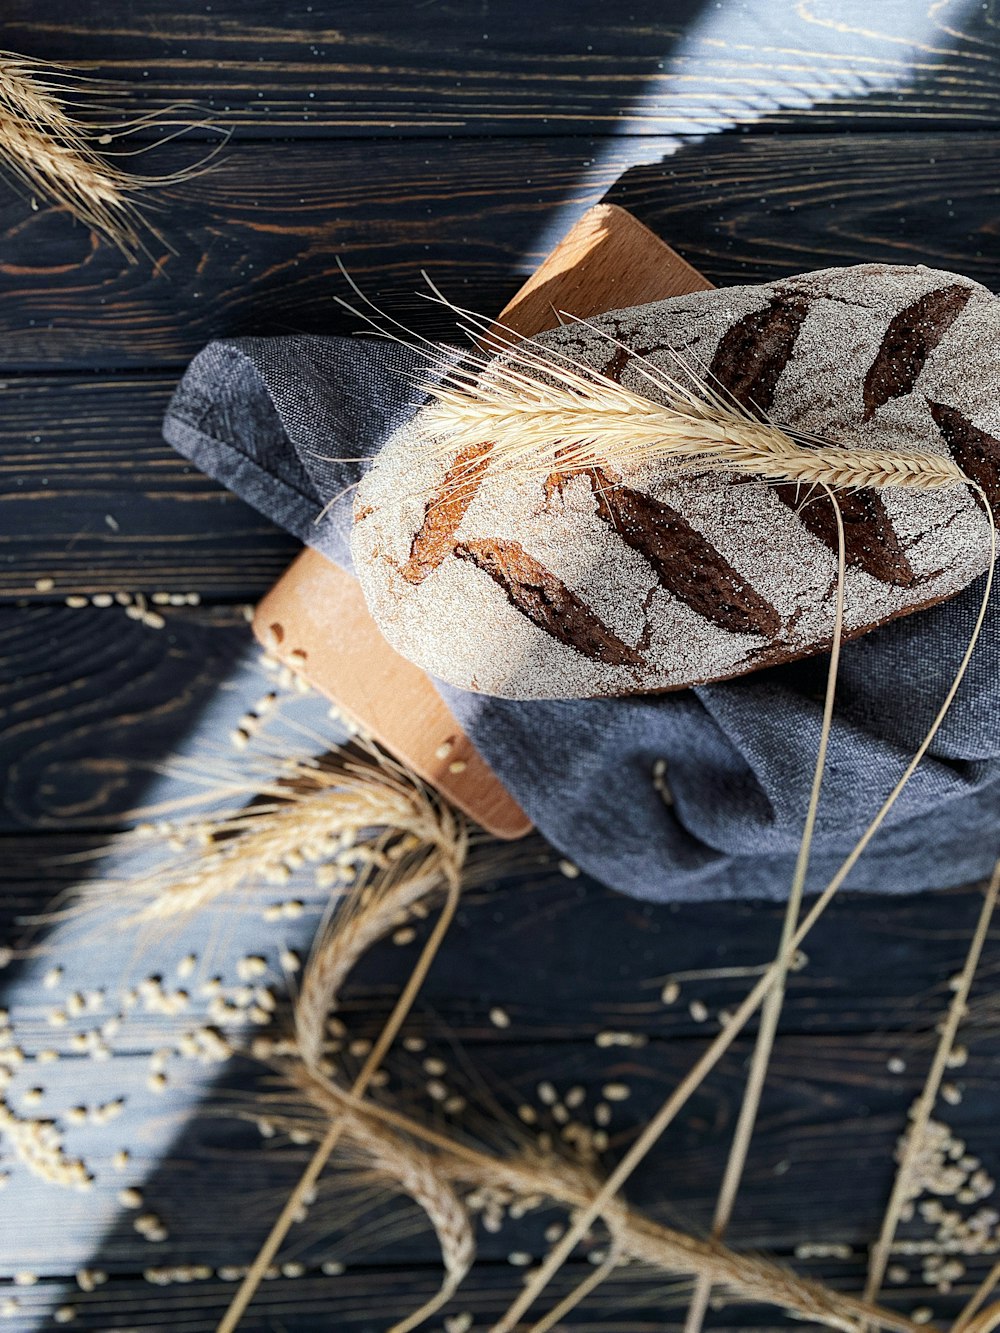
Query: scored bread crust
column 588, row 585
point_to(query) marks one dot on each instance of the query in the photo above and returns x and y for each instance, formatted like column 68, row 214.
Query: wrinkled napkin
column 289, row 423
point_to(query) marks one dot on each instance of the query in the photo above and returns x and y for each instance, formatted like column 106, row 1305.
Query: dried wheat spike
column 44, row 147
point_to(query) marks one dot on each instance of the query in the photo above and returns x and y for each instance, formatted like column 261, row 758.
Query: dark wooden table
column 760, row 139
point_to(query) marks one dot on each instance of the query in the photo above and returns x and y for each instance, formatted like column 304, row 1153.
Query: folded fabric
column 288, row 424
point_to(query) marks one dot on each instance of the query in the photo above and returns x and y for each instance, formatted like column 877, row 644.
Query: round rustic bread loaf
column 585, row 585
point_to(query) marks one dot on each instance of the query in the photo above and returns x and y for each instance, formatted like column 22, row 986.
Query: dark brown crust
column 686, row 564
column 870, row 541
column 435, row 539
column 546, row 600
column 975, row 451
column 748, row 362
column 908, row 342
column 752, row 353
column 763, row 660
column 616, row 366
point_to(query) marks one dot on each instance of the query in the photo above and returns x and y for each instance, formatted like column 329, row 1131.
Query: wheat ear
column 367, row 916
column 416, row 1176
column 49, row 151
column 35, row 92
column 379, row 1132
column 313, row 811
column 452, row 871
column 69, row 175
column 542, row 410
column 538, row 412
column 339, row 948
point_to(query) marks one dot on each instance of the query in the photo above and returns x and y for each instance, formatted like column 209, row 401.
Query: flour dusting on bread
column 584, row 586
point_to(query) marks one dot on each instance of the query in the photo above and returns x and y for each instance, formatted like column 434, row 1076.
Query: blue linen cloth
column 288, row 424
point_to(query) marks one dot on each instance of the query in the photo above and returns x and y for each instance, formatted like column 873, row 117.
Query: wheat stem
column 921, row 1112
column 977, row 1298
column 307, row 1182
column 355, row 928
column 583, row 1289
column 696, row 1076
column 378, row 1130
column 771, row 1012
column 985, row 1322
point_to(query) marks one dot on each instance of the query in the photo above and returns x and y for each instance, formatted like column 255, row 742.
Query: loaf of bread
column 591, row 584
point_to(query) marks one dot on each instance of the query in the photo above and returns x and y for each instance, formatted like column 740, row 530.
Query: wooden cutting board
column 315, row 619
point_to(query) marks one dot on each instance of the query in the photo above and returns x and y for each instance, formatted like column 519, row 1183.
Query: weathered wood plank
column 67, row 675
column 95, row 501
column 751, row 210
column 874, row 965
column 257, row 240
column 371, row 1300
column 454, row 69
column 820, row 1169
column 256, row 243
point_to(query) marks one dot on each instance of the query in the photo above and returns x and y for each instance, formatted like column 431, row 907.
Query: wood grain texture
column 607, row 261
column 625, row 1303
column 448, row 68
column 751, row 210
column 461, row 139
column 93, row 499
column 91, row 701
column 821, row 1161
column 256, row 253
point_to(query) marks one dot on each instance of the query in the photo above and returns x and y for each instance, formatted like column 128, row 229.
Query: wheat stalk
column 967, row 1318
column 614, row 1220
column 771, row 1011
column 985, row 1322
column 313, row 810
column 51, row 153
column 903, row 1186
column 368, row 916
column 416, row 1175
column 540, row 409
column 540, row 412
column 370, row 1131
column 342, row 944
column 450, row 834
